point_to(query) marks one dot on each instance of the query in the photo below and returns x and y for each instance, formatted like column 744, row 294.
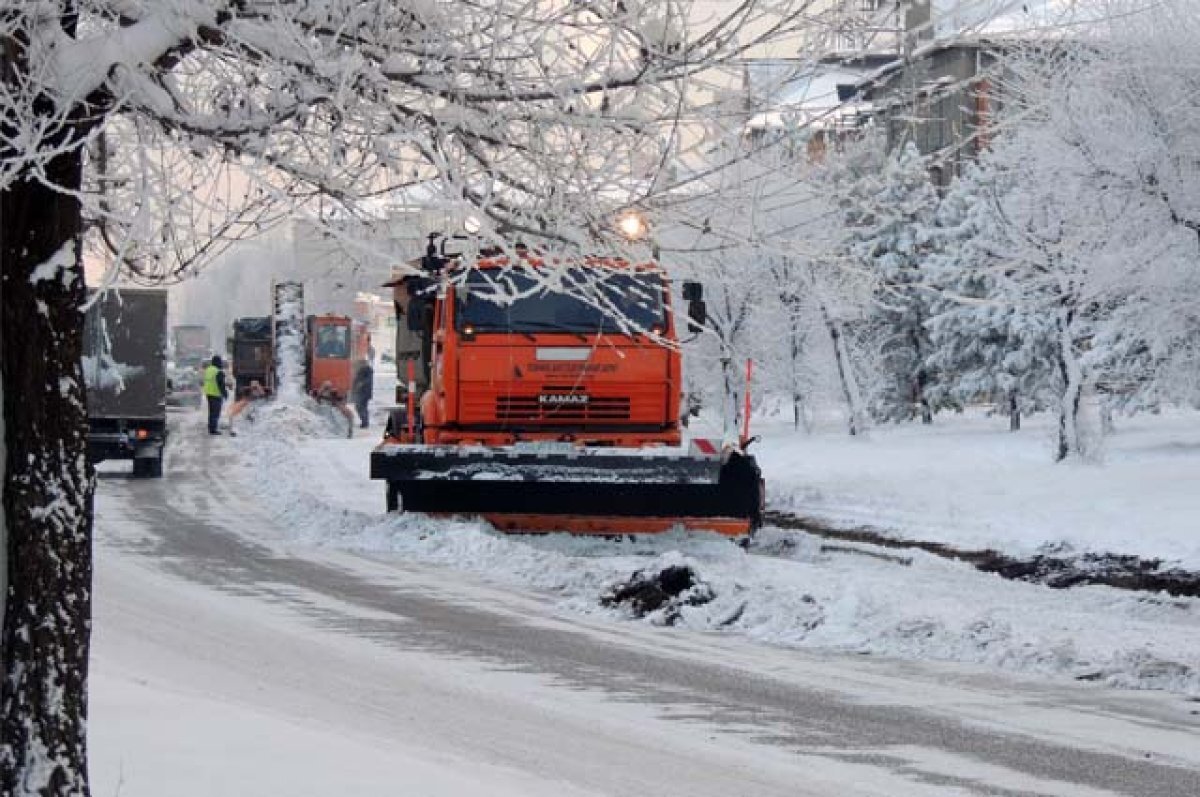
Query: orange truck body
column 335, row 346
column 497, row 388
column 328, row 355
column 560, row 429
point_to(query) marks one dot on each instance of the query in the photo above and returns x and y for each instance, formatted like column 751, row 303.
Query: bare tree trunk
column 796, row 349
column 729, row 328
column 47, row 488
column 1068, row 409
column 731, row 411
column 921, row 380
column 845, row 374
column 923, row 400
column 1014, row 413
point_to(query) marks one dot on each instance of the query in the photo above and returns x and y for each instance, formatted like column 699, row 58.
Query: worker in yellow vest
column 215, row 391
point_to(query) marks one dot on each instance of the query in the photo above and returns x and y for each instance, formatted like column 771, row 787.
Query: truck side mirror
column 693, row 291
column 453, row 247
column 697, row 315
column 416, row 286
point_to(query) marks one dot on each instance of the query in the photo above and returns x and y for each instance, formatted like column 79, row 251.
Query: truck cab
column 335, row 345
column 583, row 353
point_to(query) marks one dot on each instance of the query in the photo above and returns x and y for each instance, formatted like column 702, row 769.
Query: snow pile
column 301, row 418
column 791, row 589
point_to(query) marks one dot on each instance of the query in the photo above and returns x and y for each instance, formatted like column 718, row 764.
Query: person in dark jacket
column 215, row 391
column 363, row 390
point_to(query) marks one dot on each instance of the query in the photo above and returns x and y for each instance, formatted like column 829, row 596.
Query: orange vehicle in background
column 554, row 400
column 329, row 348
column 335, row 345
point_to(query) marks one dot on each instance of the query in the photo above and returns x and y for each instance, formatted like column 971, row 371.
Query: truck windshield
column 579, row 300
column 333, row 342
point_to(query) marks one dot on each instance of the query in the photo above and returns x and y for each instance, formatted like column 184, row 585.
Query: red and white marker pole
column 411, row 403
column 746, row 411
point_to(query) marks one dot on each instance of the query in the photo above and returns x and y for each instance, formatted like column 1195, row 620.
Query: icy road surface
column 231, row 659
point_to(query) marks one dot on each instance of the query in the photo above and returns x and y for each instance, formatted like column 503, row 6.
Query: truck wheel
column 393, row 497
column 148, row 467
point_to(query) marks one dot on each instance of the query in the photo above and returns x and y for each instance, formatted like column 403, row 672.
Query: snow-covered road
column 233, row 657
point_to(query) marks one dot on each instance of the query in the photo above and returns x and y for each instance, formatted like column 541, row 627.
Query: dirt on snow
column 1054, row 568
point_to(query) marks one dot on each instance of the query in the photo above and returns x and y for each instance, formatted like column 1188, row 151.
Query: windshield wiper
column 585, row 334
column 550, row 326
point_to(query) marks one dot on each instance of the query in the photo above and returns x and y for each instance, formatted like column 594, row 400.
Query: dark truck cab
column 125, row 373
column 253, row 348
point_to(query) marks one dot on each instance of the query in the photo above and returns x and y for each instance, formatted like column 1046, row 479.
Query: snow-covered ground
column 969, row 482
column 966, row 481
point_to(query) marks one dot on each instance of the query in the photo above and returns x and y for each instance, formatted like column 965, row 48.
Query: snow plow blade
column 577, row 490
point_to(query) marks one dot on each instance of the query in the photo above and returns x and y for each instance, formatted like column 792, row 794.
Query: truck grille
column 537, row 408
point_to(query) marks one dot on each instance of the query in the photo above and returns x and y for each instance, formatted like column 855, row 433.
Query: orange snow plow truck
column 553, row 403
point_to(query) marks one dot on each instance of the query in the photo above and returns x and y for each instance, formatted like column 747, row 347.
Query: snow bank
column 806, row 595
column 295, row 418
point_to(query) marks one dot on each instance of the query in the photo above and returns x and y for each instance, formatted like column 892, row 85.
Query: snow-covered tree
column 802, row 236
column 706, row 234
column 787, row 274
column 840, row 298
column 779, row 231
column 982, row 347
column 1051, row 237
column 759, row 228
column 168, row 129
column 889, row 218
column 843, row 277
column 1093, row 209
